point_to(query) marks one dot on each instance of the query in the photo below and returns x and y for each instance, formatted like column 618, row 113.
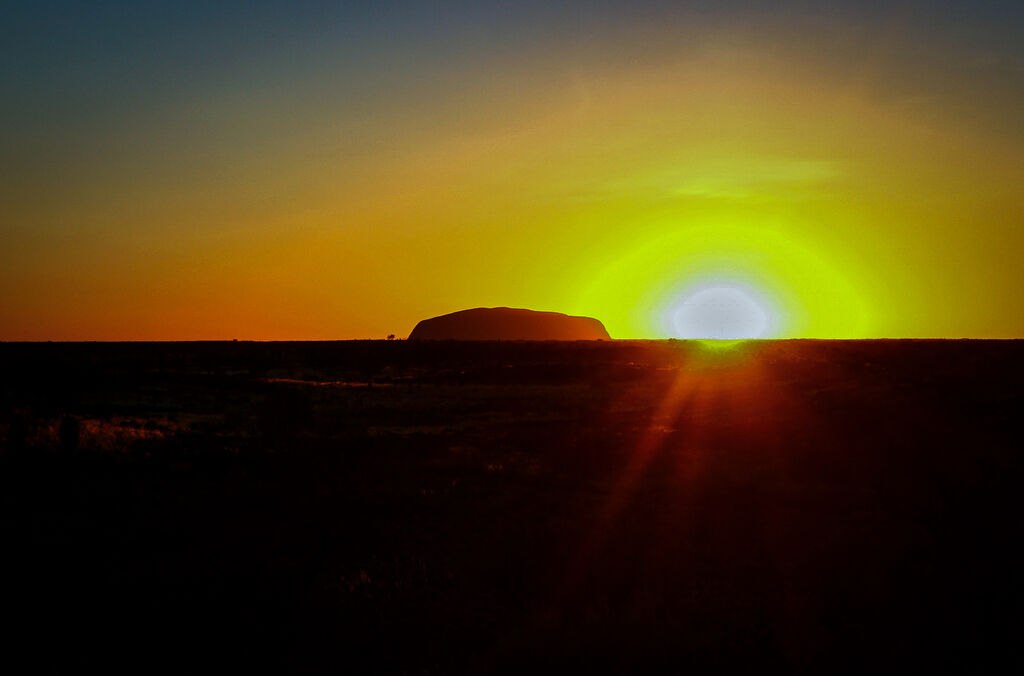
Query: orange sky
column 864, row 176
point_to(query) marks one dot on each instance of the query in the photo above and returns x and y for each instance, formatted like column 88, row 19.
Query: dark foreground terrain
column 486, row 507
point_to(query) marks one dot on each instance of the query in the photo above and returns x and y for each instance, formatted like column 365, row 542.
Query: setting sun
column 720, row 313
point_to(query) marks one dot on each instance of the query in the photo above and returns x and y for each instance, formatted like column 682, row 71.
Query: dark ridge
column 502, row 323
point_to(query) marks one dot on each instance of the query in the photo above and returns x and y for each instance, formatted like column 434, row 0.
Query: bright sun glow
column 721, row 279
column 720, row 313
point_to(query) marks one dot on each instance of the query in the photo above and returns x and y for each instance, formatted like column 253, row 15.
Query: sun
column 720, row 312
column 731, row 274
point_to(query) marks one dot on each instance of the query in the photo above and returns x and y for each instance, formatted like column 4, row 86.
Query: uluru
column 503, row 323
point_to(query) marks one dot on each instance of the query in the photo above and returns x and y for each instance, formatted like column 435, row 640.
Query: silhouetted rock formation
column 502, row 323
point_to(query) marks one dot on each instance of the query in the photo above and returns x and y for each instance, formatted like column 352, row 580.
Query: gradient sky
column 313, row 170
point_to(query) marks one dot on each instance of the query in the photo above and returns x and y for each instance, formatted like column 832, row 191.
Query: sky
column 329, row 170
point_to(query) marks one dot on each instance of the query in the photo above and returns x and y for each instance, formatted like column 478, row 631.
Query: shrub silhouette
column 69, row 433
column 17, row 433
column 282, row 416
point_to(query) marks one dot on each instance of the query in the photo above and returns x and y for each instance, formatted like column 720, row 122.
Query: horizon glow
column 329, row 171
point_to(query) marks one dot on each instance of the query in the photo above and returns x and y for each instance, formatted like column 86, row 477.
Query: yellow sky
column 860, row 203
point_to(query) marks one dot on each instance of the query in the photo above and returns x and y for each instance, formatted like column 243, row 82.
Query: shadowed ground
column 795, row 505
